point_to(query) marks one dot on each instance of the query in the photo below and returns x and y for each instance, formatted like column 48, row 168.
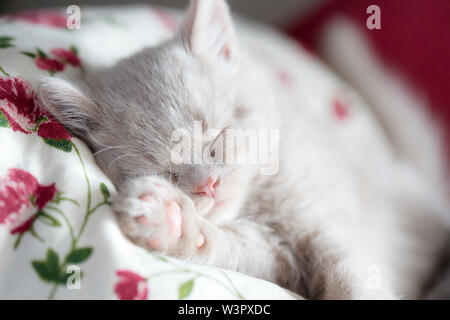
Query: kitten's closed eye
column 173, row 176
column 216, row 149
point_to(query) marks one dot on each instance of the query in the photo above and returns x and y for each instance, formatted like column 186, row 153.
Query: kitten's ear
column 208, row 29
column 68, row 104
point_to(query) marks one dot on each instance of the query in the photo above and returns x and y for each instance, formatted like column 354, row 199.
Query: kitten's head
column 129, row 114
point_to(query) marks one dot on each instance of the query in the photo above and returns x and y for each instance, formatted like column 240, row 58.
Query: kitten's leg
column 351, row 279
column 339, row 269
column 155, row 214
column 251, row 248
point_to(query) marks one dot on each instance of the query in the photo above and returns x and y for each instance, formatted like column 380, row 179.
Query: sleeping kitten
column 324, row 224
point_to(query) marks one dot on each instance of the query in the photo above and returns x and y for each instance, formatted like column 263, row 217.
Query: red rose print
column 24, row 227
column 53, row 130
column 23, row 110
column 284, row 77
column 66, row 55
column 21, row 198
column 131, row 286
column 48, row 64
column 48, row 18
column 340, row 109
column 18, row 103
column 57, row 64
column 167, row 19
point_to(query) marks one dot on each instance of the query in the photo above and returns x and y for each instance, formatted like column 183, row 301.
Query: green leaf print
column 104, row 190
column 48, row 270
column 5, row 42
column 41, row 53
column 28, row 54
column 185, row 289
column 74, row 49
column 61, row 144
column 79, row 255
column 3, row 120
column 48, row 219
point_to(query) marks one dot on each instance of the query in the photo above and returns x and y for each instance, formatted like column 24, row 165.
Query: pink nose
column 209, row 188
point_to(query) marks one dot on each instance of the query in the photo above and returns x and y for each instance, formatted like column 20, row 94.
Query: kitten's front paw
column 156, row 215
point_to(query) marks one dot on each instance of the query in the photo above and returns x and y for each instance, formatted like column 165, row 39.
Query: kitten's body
column 336, row 220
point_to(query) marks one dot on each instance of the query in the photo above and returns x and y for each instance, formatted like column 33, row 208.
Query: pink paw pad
column 146, row 198
column 154, row 243
column 200, row 241
column 173, row 219
column 143, row 220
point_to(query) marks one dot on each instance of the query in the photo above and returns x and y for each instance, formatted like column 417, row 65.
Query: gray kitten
column 320, row 226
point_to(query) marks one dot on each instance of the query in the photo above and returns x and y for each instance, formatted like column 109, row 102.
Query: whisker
column 108, row 148
column 122, row 156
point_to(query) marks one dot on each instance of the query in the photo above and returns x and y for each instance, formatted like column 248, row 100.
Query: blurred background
column 270, row 11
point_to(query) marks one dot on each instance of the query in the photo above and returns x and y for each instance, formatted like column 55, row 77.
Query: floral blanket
column 59, row 238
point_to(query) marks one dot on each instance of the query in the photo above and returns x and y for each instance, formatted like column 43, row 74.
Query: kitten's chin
column 204, row 205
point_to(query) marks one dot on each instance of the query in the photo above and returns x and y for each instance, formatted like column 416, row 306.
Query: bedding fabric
column 59, row 238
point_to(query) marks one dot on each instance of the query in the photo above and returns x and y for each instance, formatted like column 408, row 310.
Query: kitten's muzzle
column 209, row 188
